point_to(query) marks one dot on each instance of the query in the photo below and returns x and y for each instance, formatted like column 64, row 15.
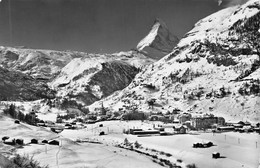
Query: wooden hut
column 215, row 155
column 54, row 142
column 34, row 141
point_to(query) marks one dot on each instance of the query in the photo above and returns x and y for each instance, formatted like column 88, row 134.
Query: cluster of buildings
column 181, row 122
column 184, row 121
column 240, row 127
column 201, row 122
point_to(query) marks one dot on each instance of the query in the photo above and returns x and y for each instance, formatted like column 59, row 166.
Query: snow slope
column 69, row 154
column 67, row 72
column 95, row 76
column 213, row 69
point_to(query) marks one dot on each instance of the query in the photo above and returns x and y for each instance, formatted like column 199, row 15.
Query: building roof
column 180, row 126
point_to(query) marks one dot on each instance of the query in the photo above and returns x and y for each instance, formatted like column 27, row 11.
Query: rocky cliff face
column 18, row 86
column 213, row 69
column 159, row 40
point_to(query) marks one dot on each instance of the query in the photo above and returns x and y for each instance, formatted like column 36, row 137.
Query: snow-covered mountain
column 213, row 69
column 90, row 78
column 159, row 41
column 74, row 75
column 42, row 64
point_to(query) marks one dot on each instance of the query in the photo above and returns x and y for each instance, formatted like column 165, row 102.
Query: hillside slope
column 96, row 76
column 31, row 74
column 17, row 86
column 213, row 69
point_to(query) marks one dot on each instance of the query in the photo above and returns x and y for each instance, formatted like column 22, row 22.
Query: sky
column 99, row 26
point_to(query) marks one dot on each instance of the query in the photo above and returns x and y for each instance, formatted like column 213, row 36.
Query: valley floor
column 236, row 149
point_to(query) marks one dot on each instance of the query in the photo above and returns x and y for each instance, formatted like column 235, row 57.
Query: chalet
column 34, row 141
column 67, row 126
column 257, row 129
column 101, row 133
column 19, row 141
column 241, row 123
column 16, row 121
column 215, row 155
column 54, row 142
column 10, row 142
column 44, row 141
column 57, row 129
column 237, row 126
column 180, row 129
column 247, row 123
column 247, row 128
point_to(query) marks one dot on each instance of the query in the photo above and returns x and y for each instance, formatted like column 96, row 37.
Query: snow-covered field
column 236, row 149
column 69, row 154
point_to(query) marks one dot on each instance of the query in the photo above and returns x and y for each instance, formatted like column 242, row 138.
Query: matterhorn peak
column 159, row 38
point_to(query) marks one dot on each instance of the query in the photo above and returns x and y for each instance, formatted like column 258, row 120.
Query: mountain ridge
column 67, row 71
column 213, row 69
